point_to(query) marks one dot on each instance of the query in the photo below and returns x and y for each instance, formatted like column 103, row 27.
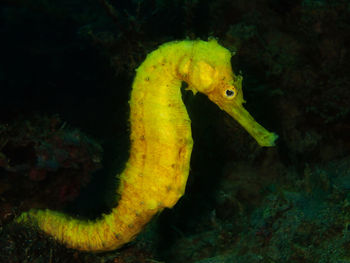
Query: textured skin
column 161, row 143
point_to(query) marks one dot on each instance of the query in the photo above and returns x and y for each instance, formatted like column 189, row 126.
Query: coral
column 43, row 151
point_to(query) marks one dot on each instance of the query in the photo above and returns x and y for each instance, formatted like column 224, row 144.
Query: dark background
column 66, row 69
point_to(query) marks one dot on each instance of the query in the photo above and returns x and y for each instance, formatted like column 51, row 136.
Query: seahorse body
column 161, row 143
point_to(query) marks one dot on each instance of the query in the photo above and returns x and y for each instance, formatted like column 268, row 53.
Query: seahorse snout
column 258, row 132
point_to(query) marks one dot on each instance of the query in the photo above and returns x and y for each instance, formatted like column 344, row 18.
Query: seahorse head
column 209, row 71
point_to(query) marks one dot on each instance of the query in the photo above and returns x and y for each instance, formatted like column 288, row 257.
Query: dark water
column 66, row 69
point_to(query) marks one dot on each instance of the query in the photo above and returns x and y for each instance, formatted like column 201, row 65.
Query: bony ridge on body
column 156, row 172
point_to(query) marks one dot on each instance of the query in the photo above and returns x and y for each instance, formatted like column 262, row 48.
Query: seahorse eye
column 230, row 93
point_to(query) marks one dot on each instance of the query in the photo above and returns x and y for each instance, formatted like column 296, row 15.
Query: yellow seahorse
column 155, row 175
